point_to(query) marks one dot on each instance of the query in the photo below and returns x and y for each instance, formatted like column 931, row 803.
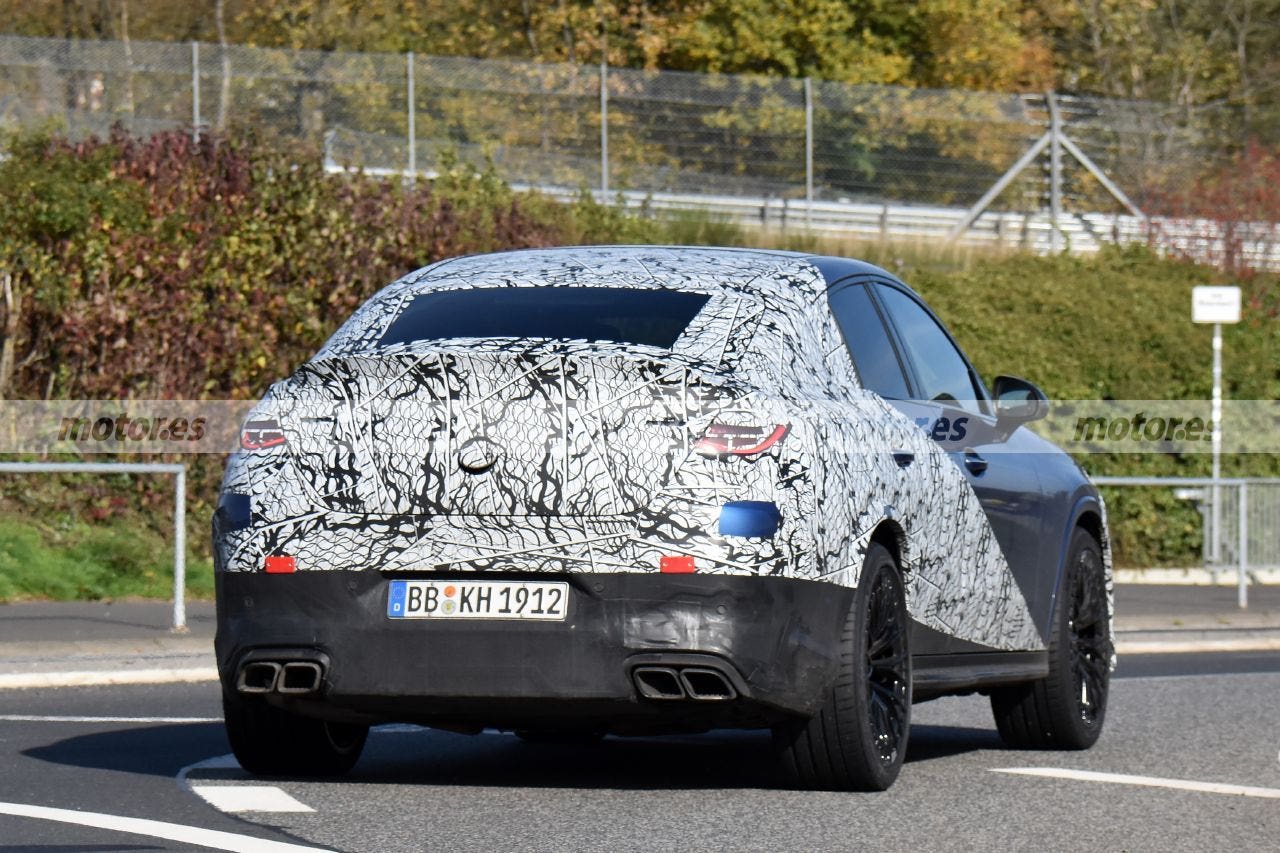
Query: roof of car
column 668, row 260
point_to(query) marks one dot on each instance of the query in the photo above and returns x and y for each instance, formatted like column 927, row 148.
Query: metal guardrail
column 1079, row 233
column 1250, row 505
column 179, row 510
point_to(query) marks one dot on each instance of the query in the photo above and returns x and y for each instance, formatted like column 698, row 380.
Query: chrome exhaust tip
column 258, row 677
column 300, row 677
column 658, row 682
column 706, row 685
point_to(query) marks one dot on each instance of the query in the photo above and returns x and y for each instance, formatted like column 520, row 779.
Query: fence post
column 1055, row 171
column 808, row 153
column 604, row 132
column 180, row 550
column 413, row 120
column 1215, row 414
column 1243, row 557
column 195, row 91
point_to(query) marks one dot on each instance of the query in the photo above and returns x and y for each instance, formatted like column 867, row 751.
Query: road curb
column 108, row 678
column 1197, row 646
column 1226, row 576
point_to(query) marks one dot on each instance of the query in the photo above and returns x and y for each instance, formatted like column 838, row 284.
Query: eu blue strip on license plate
column 395, row 600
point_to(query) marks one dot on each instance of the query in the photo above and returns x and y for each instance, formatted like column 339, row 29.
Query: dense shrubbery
column 1116, row 327
column 171, row 268
column 166, row 268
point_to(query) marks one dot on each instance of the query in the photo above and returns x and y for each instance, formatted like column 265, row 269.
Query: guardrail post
column 1242, row 506
column 180, row 550
column 179, row 510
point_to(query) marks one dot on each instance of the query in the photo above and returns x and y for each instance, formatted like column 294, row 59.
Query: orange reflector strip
column 280, row 565
column 680, row 565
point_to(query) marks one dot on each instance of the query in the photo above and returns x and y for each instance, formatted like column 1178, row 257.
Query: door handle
column 974, row 462
column 903, row 458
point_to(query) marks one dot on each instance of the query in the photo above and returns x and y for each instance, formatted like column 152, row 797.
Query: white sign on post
column 1218, row 305
column 1215, row 304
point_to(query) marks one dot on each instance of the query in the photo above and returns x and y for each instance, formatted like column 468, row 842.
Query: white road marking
column 249, row 798
column 37, row 718
column 1146, row 781
column 22, row 680
column 157, row 829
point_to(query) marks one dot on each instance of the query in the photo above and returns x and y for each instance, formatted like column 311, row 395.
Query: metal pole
column 179, row 510
column 808, row 153
column 1215, row 415
column 1055, row 171
column 604, row 130
column 180, row 551
column 195, row 91
column 1243, row 530
column 1107, row 184
column 998, row 187
column 413, row 123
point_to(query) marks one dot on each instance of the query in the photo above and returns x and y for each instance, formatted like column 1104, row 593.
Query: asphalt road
column 1193, row 718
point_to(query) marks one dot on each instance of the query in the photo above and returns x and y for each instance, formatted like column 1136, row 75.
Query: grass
column 77, row 560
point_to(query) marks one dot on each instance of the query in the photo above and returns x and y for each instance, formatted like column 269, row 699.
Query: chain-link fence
column 773, row 141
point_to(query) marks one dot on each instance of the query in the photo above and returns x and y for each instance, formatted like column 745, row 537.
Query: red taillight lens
column 261, row 433
column 735, row 440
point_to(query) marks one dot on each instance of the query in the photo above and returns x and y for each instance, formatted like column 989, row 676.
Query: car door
column 951, row 404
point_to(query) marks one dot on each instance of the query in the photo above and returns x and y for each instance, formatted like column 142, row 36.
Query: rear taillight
column 261, row 433
column 736, row 440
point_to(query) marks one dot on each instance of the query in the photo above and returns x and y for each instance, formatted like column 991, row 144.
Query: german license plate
column 478, row 600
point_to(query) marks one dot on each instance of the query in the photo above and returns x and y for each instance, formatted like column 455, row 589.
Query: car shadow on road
column 153, row 750
column 410, row 756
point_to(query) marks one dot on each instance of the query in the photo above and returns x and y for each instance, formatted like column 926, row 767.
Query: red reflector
column 677, row 565
column 280, row 565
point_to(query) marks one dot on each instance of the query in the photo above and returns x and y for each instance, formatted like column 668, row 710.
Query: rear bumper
column 772, row 639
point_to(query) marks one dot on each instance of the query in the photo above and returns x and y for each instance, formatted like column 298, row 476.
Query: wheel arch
column 894, row 539
column 1087, row 514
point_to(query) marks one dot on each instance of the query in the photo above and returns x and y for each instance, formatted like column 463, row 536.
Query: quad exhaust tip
column 258, row 677
column 669, row 683
column 300, row 677
column 289, row 677
column 658, row 682
column 706, row 685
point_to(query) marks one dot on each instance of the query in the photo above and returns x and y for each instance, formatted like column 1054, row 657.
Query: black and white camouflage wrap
column 594, row 469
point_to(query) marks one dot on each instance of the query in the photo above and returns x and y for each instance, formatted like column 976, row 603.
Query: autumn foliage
column 1234, row 211
column 171, row 268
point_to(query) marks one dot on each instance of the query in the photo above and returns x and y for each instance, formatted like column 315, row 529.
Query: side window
column 941, row 370
column 868, row 342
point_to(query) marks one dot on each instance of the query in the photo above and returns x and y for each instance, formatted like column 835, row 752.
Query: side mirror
column 1018, row 402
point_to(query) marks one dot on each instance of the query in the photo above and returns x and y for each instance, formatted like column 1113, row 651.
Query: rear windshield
column 622, row 315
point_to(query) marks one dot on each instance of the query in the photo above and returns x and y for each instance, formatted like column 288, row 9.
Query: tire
column 858, row 738
column 1066, row 708
column 268, row 741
